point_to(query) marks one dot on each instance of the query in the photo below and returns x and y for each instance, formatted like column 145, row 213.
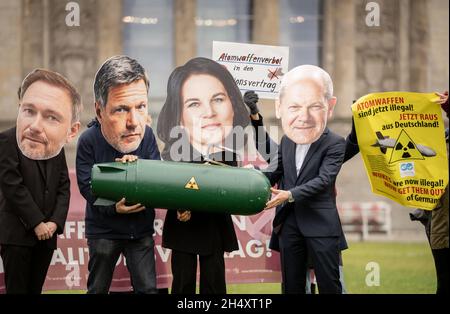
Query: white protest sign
column 254, row 67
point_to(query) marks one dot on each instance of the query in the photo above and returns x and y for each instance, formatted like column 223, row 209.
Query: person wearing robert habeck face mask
column 118, row 133
column 34, row 180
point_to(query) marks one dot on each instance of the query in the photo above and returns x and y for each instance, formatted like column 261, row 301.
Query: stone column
column 265, row 31
column 266, row 26
column 344, row 70
column 185, row 30
column 404, row 62
column 378, row 49
column 74, row 49
column 33, row 23
column 438, row 69
column 109, row 28
column 10, row 60
column 419, row 49
column 328, row 57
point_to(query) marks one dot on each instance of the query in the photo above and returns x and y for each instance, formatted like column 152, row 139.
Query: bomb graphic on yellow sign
column 403, row 148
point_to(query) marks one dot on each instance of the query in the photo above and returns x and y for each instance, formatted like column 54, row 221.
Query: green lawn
column 403, row 268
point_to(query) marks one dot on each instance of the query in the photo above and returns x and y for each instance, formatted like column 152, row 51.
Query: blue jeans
column 140, row 260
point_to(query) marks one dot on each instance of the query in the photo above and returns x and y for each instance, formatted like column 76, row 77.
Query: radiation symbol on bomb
column 404, row 148
column 192, row 184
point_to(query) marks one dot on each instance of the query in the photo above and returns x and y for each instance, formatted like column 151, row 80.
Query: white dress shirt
column 300, row 153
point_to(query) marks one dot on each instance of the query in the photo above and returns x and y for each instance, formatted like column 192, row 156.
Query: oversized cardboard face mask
column 44, row 122
column 304, row 111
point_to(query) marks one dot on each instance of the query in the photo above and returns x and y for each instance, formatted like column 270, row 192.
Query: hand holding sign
column 254, row 67
column 251, row 100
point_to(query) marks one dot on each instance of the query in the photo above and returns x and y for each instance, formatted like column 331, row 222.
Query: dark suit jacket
column 351, row 148
column 205, row 233
column 31, row 192
column 313, row 189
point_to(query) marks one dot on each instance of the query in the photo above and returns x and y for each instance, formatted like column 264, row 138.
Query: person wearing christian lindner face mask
column 34, row 180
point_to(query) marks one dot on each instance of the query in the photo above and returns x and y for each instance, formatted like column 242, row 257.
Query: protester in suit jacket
column 309, row 159
column 268, row 150
column 34, row 181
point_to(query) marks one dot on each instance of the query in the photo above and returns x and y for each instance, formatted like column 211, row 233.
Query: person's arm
column 154, row 151
column 328, row 171
column 274, row 171
column 13, row 188
column 443, row 101
column 267, row 148
column 59, row 214
column 351, row 143
column 251, row 100
column 85, row 160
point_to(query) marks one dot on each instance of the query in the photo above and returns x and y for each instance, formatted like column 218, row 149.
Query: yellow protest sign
column 402, row 142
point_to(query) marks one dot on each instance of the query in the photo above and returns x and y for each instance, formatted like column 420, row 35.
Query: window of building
column 219, row 20
column 300, row 29
column 148, row 37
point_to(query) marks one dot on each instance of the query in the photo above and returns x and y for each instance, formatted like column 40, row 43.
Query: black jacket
column 271, row 154
column 103, row 222
column 31, row 192
column 204, row 233
column 314, row 188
